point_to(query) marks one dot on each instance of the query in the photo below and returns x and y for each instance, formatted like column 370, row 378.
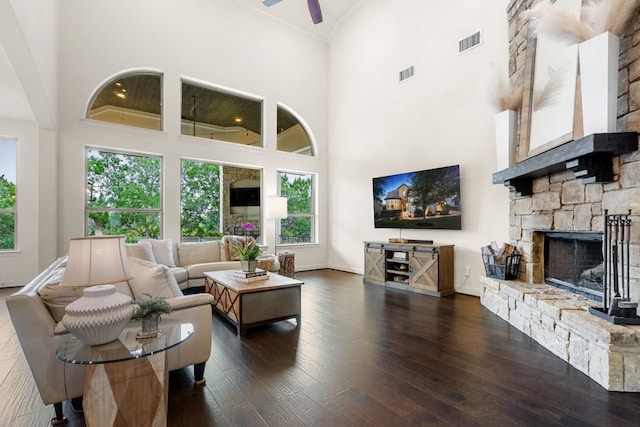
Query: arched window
column 293, row 136
column 133, row 99
column 221, row 115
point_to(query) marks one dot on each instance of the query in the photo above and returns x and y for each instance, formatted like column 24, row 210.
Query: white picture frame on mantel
column 550, row 90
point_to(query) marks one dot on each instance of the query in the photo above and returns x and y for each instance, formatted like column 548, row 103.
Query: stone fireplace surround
column 558, row 319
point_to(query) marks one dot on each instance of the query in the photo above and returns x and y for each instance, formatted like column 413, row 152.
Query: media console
column 422, row 268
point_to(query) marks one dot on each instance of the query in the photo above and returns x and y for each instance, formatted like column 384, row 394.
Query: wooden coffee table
column 249, row 304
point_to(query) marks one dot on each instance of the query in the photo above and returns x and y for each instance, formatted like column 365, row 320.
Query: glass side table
column 126, row 380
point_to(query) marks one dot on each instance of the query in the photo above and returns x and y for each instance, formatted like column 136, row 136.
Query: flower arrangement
column 247, row 226
column 248, row 251
column 597, row 17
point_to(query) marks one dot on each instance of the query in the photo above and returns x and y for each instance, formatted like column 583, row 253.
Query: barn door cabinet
column 422, row 268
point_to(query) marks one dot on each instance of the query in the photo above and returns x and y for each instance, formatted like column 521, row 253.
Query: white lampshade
column 276, row 207
column 96, row 261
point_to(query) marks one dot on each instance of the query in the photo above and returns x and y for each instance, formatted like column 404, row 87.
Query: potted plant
column 149, row 310
column 248, row 253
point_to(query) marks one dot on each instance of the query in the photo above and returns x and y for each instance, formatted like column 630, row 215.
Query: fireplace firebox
column 574, row 261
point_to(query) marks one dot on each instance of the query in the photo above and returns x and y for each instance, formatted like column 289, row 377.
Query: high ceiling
column 293, row 13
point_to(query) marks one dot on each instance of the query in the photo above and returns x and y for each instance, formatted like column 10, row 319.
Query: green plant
column 150, row 306
column 247, row 251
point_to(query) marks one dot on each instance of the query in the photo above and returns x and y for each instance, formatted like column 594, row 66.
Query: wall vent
column 469, row 42
column 407, row 72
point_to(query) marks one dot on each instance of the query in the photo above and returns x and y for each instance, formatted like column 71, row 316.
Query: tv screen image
column 427, row 200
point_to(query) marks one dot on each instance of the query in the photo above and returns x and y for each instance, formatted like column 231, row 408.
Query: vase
column 249, row 265
column 505, row 122
column 99, row 316
column 150, row 327
column 598, row 59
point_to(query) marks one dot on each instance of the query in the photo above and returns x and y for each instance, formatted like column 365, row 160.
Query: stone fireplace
column 553, row 201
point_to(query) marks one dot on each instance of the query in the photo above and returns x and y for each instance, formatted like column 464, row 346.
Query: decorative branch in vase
column 149, row 309
column 596, row 30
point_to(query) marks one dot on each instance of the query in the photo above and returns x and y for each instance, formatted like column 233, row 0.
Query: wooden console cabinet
column 416, row 267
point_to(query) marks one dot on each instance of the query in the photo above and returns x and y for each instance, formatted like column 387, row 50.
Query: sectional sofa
column 189, row 261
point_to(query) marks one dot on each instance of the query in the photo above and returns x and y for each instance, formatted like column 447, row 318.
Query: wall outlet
column 467, row 271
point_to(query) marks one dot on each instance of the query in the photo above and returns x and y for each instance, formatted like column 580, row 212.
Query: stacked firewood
column 498, row 254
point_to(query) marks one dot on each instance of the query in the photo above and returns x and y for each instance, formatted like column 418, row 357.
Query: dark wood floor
column 364, row 356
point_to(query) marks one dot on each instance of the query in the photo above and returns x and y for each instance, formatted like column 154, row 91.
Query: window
column 200, row 200
column 133, row 99
column 299, row 226
column 7, row 194
column 215, row 114
column 292, row 135
column 123, row 195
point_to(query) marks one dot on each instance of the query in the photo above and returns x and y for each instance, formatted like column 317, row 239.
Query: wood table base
column 130, row 393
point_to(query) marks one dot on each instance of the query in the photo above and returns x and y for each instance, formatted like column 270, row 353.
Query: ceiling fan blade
column 314, row 9
column 270, row 2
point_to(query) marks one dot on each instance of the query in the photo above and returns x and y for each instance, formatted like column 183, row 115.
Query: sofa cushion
column 141, row 251
column 229, row 243
column 196, row 271
column 152, row 279
column 198, row 253
column 180, row 274
column 162, row 251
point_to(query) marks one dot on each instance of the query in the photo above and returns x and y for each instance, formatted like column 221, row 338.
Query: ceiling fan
column 314, row 9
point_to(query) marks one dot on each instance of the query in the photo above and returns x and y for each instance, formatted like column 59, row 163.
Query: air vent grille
column 407, row 72
column 469, row 42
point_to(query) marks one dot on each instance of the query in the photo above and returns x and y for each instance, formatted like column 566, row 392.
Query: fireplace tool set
column 616, row 304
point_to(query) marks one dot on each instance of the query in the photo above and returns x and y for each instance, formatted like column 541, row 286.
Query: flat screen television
column 244, row 196
column 426, row 200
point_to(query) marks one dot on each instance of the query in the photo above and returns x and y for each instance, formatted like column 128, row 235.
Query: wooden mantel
column 589, row 158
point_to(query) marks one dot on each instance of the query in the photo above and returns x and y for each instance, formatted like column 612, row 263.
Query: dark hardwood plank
column 363, row 355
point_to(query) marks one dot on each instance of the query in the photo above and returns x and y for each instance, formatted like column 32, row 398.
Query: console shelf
column 422, row 268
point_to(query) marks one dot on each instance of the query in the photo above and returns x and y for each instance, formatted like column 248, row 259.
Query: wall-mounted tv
column 426, row 200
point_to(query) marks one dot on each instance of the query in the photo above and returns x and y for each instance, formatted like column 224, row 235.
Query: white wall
column 28, row 35
column 221, row 42
column 35, row 218
column 439, row 117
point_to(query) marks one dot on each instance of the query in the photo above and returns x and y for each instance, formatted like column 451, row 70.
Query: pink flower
column 247, row 226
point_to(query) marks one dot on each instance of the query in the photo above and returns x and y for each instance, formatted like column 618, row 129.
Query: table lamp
column 277, row 210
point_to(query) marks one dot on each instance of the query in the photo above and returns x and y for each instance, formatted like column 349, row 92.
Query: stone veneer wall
column 230, row 175
column 560, row 202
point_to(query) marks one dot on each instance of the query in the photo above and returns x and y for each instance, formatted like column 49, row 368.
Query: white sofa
column 189, row 261
column 35, row 315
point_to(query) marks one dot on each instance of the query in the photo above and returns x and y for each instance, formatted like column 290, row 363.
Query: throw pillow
column 153, row 279
column 198, row 253
column 141, row 251
column 162, row 251
column 56, row 298
column 230, row 242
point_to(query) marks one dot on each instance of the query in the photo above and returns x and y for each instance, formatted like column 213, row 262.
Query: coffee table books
column 250, row 276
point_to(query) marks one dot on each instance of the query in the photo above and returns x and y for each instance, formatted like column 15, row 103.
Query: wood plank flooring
column 363, row 356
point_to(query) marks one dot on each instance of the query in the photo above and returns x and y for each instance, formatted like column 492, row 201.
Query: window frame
column 104, row 85
column 305, row 127
column 313, row 215
column 13, row 211
column 229, row 92
column 159, row 211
